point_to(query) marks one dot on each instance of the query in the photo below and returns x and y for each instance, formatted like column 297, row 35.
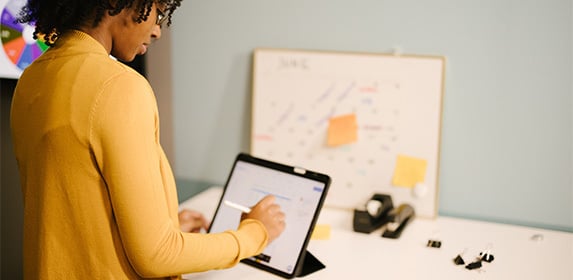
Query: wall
column 506, row 150
column 11, row 196
column 159, row 72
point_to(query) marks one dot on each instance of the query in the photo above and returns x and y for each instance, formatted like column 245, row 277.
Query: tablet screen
column 299, row 192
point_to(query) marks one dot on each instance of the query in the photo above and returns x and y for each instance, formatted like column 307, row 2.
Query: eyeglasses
column 161, row 17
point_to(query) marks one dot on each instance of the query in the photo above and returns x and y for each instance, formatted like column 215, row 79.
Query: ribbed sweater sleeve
column 125, row 139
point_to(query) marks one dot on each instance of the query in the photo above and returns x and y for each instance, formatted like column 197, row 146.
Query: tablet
column 299, row 192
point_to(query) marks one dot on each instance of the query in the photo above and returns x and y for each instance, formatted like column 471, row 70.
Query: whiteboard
column 390, row 107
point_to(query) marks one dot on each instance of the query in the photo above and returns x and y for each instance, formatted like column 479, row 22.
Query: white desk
column 351, row 255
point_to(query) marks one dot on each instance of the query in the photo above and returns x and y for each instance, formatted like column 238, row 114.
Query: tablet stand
column 310, row 264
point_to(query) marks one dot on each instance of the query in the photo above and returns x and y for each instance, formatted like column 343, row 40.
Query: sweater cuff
column 251, row 237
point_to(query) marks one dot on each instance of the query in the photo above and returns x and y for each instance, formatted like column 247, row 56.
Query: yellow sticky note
column 409, row 171
column 321, row 232
column 342, row 130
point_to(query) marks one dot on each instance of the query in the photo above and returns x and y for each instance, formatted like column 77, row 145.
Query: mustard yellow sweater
column 99, row 196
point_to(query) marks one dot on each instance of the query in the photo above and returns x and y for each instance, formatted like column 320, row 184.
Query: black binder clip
column 434, row 243
column 474, row 265
column 486, row 256
column 459, row 260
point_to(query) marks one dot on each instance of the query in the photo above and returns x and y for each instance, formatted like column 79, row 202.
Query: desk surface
column 351, row 255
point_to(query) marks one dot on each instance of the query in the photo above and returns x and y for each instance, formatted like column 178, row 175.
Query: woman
column 99, row 196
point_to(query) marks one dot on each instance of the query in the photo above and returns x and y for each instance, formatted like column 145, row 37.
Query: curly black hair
column 54, row 17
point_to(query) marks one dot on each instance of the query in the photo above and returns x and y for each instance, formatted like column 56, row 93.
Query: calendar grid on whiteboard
column 397, row 102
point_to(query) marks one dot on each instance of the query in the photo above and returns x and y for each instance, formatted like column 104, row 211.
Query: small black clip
column 486, row 256
column 458, row 260
column 474, row 265
column 434, row 243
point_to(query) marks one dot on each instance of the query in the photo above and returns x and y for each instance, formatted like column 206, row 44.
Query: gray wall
column 507, row 147
column 11, row 195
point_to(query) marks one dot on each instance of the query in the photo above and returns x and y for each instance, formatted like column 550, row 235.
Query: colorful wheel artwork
column 17, row 38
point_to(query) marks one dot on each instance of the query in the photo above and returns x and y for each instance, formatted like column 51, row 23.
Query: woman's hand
column 192, row 221
column 270, row 215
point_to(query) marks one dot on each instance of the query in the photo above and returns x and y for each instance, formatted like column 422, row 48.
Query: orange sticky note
column 409, row 171
column 321, row 232
column 342, row 130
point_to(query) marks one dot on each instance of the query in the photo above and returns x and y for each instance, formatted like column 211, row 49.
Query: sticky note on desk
column 342, row 130
column 409, row 171
column 321, row 232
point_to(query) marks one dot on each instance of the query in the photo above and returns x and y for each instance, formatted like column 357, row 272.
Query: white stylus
column 238, row 206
